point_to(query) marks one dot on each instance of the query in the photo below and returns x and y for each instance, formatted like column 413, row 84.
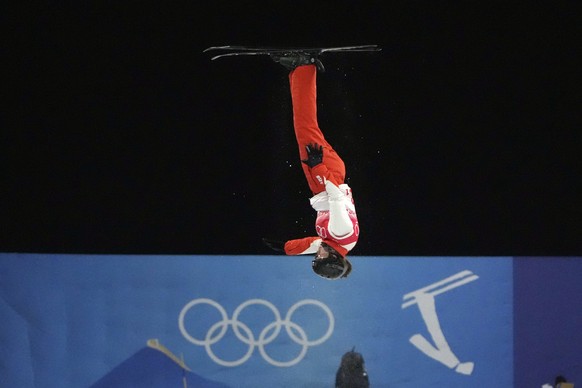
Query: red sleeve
column 300, row 246
column 319, row 172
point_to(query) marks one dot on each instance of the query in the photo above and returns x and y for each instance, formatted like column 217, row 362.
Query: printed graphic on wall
column 246, row 335
column 424, row 298
column 249, row 321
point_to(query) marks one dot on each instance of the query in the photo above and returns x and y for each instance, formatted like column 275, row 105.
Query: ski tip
column 214, row 48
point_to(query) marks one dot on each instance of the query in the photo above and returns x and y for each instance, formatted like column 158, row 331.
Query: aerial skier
column 336, row 223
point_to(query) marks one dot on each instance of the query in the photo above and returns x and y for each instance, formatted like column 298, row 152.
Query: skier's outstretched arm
column 301, row 246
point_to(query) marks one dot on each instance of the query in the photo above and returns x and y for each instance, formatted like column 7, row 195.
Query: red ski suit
column 327, row 196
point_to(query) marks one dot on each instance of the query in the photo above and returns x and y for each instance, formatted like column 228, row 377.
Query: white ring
column 215, row 358
column 194, row 303
column 318, row 304
column 249, row 303
column 304, row 345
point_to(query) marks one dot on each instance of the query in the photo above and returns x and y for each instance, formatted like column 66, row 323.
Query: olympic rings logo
column 267, row 335
column 321, row 231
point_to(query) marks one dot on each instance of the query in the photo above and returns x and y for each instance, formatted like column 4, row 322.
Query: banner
column 252, row 321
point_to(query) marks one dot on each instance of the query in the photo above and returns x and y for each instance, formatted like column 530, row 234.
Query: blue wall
column 548, row 319
column 248, row 321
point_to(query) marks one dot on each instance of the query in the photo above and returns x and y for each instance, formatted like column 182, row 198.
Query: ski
column 245, row 50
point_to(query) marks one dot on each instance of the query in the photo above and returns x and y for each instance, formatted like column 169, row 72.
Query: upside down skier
column 336, row 223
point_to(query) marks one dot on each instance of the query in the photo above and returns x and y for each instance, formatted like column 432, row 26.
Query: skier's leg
column 303, row 86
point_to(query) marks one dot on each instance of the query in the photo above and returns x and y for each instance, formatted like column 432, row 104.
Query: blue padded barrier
column 253, row 321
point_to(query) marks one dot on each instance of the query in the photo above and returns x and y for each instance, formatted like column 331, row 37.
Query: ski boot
column 293, row 59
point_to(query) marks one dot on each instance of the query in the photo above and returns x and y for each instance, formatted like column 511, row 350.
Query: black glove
column 314, row 155
column 275, row 245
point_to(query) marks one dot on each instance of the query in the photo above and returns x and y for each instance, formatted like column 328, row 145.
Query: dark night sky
column 462, row 137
